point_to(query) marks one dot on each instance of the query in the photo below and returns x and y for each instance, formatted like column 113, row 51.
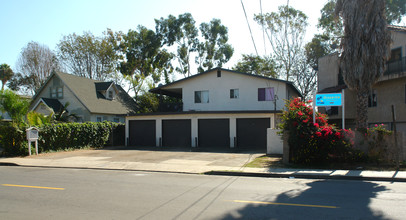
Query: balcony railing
column 396, row 67
column 171, row 107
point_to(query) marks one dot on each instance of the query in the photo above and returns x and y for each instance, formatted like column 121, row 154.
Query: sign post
column 329, row 99
column 32, row 135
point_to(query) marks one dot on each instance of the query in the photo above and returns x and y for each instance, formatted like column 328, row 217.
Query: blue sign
column 328, row 99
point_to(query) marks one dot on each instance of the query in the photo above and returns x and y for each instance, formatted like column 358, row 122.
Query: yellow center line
column 287, row 204
column 36, row 187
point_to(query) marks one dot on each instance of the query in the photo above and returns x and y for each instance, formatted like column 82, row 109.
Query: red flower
column 305, row 121
column 316, row 125
column 295, row 123
column 318, row 133
column 300, row 113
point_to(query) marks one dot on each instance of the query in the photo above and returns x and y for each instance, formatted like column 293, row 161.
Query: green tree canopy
column 182, row 32
column 214, row 50
column 14, row 105
column 257, row 65
column 143, row 57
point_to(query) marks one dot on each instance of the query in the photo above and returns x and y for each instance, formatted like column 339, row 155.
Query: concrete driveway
column 127, row 158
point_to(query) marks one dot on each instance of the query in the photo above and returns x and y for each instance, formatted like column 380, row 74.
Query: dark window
column 99, row 119
column 110, row 94
column 333, row 110
column 57, row 92
column 201, row 96
column 372, row 99
column 218, row 73
column 234, row 94
column 395, row 55
column 266, row 94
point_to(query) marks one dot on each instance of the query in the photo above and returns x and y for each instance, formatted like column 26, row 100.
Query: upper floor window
column 234, row 94
column 57, row 92
column 266, row 94
column 395, row 55
column 372, row 100
column 202, row 96
column 110, row 95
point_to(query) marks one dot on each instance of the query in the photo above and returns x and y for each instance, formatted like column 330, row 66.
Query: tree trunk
column 362, row 108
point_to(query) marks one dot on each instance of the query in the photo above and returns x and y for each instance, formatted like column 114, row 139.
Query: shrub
column 54, row 137
column 315, row 143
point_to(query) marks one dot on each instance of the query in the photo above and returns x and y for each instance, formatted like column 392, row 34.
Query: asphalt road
column 42, row 193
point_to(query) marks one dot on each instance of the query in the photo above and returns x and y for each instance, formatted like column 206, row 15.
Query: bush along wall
column 54, row 137
column 316, row 143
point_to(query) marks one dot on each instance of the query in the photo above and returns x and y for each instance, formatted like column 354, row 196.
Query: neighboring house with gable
column 89, row 99
column 221, row 110
column 389, row 90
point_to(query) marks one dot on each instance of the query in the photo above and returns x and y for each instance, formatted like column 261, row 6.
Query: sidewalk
column 187, row 162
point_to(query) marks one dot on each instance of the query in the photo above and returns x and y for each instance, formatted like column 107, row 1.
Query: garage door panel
column 142, row 133
column 252, row 133
column 214, row 133
column 176, row 133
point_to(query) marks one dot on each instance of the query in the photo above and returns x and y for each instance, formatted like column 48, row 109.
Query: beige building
column 389, row 90
column 89, row 99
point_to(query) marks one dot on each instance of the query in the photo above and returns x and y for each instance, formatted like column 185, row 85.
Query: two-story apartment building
column 389, row 90
column 222, row 110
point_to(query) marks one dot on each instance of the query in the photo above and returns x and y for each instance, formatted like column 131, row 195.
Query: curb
column 305, row 176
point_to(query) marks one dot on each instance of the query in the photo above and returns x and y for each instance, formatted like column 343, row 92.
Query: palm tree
column 5, row 74
column 365, row 48
column 14, row 105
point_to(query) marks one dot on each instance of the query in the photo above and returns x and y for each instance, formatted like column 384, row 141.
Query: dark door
column 251, row 133
column 214, row 133
column 176, row 133
column 142, row 133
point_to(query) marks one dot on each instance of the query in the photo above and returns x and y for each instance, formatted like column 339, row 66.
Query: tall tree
column 36, row 62
column 332, row 26
column 88, row 56
column 143, row 57
column 364, row 51
column 214, row 50
column 257, row 65
column 5, row 74
column 286, row 29
column 182, row 32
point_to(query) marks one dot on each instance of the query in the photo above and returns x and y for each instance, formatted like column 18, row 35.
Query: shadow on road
column 324, row 199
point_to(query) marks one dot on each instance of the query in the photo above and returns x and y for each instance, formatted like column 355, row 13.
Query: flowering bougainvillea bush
column 315, row 143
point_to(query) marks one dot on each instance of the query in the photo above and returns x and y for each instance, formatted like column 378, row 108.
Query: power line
column 263, row 28
column 249, row 27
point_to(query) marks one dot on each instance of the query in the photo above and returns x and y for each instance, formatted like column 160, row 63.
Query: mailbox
column 32, row 135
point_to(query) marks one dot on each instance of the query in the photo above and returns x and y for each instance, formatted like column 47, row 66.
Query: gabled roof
column 103, row 86
column 160, row 89
column 85, row 90
column 55, row 104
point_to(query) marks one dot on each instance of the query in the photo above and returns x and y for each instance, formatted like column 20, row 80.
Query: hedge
column 55, row 137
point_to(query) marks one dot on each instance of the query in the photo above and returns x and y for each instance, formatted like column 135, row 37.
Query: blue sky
column 46, row 21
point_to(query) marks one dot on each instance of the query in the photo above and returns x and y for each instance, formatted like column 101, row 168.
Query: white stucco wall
column 219, row 92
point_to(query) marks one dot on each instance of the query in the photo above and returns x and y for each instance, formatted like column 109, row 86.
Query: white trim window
column 202, row 96
column 234, row 93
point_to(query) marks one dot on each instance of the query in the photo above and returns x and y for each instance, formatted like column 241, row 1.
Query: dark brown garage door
column 176, row 133
column 251, row 133
column 214, row 133
column 142, row 133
